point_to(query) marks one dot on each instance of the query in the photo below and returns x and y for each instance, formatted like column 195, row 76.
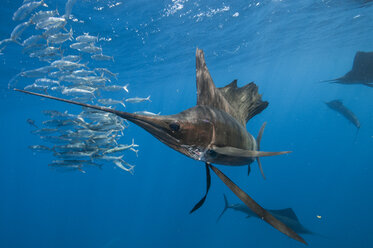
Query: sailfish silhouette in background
column 338, row 106
column 361, row 72
column 213, row 131
column 286, row 215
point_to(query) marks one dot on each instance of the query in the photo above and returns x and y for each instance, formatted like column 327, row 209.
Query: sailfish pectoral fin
column 208, row 184
column 236, row 152
column 256, row 208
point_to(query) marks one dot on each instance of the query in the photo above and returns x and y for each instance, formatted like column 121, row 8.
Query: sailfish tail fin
column 258, row 139
column 226, row 206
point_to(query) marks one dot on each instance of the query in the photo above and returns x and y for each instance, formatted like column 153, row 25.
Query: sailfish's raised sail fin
column 241, row 103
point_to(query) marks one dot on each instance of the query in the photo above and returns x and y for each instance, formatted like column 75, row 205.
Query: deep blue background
column 286, row 47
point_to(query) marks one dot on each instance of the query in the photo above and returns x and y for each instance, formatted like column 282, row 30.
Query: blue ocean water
column 285, row 47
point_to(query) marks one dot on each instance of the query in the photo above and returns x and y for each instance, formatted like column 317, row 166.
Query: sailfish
column 213, row 131
column 361, row 71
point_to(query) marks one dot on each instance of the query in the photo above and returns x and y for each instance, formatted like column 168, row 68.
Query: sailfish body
column 213, row 131
column 197, row 131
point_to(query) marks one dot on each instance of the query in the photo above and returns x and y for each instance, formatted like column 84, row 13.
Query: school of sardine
column 91, row 137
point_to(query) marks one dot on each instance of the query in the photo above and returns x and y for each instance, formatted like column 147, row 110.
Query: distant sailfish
column 338, row 106
column 361, row 72
column 286, row 215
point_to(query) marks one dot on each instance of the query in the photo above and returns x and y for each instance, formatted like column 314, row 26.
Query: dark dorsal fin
column 207, row 93
column 363, row 63
column 241, row 103
column 288, row 212
column 245, row 100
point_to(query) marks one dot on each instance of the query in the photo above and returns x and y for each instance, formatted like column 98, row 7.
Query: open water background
column 286, row 47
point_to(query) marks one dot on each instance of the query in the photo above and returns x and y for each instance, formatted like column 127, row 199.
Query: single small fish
column 79, row 45
column 76, row 80
column 116, row 88
column 110, row 101
column 46, row 82
column 23, row 11
column 72, row 58
column 106, row 71
column 97, row 81
column 110, row 158
column 65, row 115
column 54, row 30
column 32, row 40
column 71, row 154
column 51, row 22
column 47, row 52
column 135, row 151
column 39, row 72
column 86, row 38
column 121, row 148
column 99, row 117
column 90, row 49
column 120, row 163
column 18, row 30
column 82, row 73
column 101, row 57
column 67, row 65
column 35, row 87
column 85, row 99
column 40, row 148
column 87, row 87
column 34, row 48
column 77, row 91
column 78, row 146
column 138, row 99
column 32, row 123
column 60, row 38
column 42, row 15
column 59, row 74
column 60, row 123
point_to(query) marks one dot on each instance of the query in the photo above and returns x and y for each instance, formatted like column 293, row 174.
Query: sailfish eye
column 175, row 126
